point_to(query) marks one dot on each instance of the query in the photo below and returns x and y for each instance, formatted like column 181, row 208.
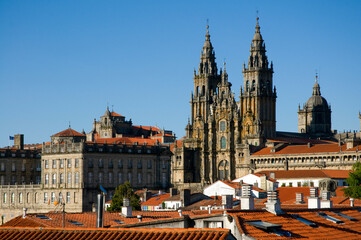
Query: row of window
column 52, row 199
column 61, row 178
column 13, row 166
column 100, row 163
column 14, row 180
column 129, row 177
column 62, row 162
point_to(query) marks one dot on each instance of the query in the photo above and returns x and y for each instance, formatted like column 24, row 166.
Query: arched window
column 223, row 142
column 247, row 86
column 197, row 90
column 20, row 197
column 4, row 198
column 46, row 178
column 12, row 197
column 203, row 90
column 223, row 170
column 223, row 126
column 54, row 178
column 253, row 85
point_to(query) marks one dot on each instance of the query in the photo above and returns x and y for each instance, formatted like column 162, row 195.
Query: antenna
column 69, row 125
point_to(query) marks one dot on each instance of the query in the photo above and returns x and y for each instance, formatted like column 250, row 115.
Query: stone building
column 226, row 139
column 72, row 168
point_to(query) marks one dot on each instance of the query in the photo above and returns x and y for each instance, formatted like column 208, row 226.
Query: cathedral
column 227, row 139
column 221, row 130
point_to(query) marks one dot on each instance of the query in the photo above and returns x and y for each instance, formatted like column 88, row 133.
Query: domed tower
column 315, row 117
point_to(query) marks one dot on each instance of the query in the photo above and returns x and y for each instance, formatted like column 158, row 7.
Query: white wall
column 219, row 188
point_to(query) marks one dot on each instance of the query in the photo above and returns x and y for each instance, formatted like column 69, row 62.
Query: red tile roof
column 68, row 133
column 286, row 174
column 124, row 234
column 179, row 144
column 148, row 128
column 114, row 114
column 236, row 185
column 126, row 140
column 157, row 200
column 325, row 229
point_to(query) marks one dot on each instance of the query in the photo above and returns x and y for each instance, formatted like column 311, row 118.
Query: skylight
column 269, row 227
column 43, row 217
column 118, row 221
column 345, row 216
column 329, row 218
column 76, row 223
column 303, row 220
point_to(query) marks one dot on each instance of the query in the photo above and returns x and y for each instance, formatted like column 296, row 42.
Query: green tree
column 124, row 191
column 354, row 182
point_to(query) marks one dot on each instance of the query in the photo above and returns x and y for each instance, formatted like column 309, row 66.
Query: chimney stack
column 100, row 211
column 185, row 196
column 139, row 217
column 313, row 199
column 227, row 201
column 299, row 198
column 180, row 212
column 127, row 209
column 146, row 195
column 247, row 201
column 325, row 201
column 352, row 202
column 272, row 175
column 273, row 204
column 24, row 212
column 209, row 209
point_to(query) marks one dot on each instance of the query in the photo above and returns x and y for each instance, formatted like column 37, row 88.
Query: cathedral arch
column 223, row 170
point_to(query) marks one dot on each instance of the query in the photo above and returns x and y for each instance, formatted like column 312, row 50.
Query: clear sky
column 67, row 60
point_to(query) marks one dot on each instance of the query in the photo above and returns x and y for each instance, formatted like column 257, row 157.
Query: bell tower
column 258, row 96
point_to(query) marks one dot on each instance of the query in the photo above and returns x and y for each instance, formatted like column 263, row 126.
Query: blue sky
column 67, row 60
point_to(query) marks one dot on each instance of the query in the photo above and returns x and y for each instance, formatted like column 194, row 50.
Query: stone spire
column 258, row 58
column 316, row 88
column 208, row 64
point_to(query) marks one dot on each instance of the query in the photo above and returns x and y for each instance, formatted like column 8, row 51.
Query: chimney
column 247, row 201
column 146, row 195
column 352, row 202
column 209, row 209
column 180, row 212
column 272, row 175
column 19, row 141
column 313, row 199
column 126, row 209
column 100, row 211
column 24, row 212
column 173, row 191
column 325, row 201
column 185, row 196
column 273, row 204
column 227, row 201
column 299, row 198
column 139, row 217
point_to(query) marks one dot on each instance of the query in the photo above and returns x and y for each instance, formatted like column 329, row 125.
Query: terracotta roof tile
column 126, row 140
column 114, row 114
column 286, row 174
column 157, row 200
column 68, row 133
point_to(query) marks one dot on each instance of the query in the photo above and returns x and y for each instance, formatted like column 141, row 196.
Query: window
column 139, row 163
column 37, row 179
column 120, row 178
column 54, row 163
column 223, row 170
column 100, row 177
column 61, row 163
column 110, row 176
column 100, row 163
column 46, row 163
column 69, row 178
column 76, row 177
column 247, row 86
column 46, row 178
column 130, row 163
column 36, row 198
column 77, row 162
column 45, row 197
column 223, row 142
column 139, row 178
column 69, row 163
column 52, row 197
column 2, row 180
column 130, row 177
column 61, row 178
column 13, row 167
column 290, row 184
column 164, row 164
column 68, row 197
column 12, row 197
column 149, row 163
column 13, row 179
column 23, row 167
column 4, row 198
column 253, row 85
column 90, row 163
column 90, row 177
column 164, row 180
column 60, row 198
column 20, row 197
column 54, row 178
column 223, row 126
column 120, row 163
column 110, row 164
column 149, row 178
column 2, row 166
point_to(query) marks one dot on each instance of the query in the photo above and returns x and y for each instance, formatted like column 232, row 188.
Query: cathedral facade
column 222, row 131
